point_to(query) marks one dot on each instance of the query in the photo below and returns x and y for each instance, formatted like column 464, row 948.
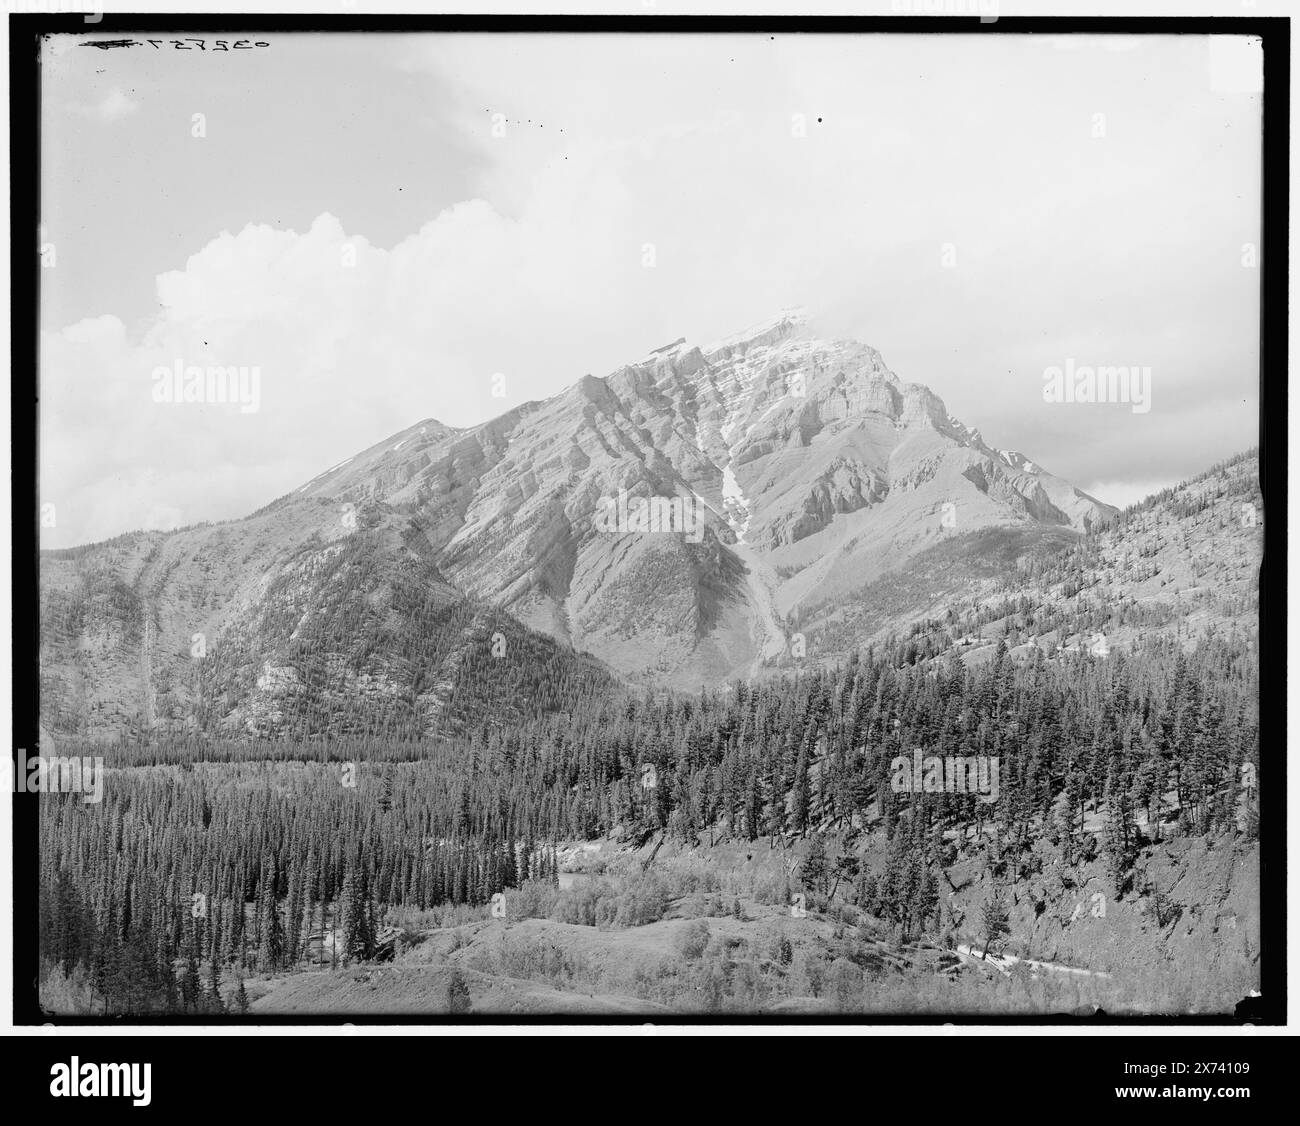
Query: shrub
column 845, row 985
column 645, row 901
column 534, row 900
column 771, row 890
column 535, row 958
column 782, row 951
column 458, row 998
column 711, row 985
column 692, row 939
column 586, row 904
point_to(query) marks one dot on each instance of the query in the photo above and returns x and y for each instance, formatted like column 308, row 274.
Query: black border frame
column 24, row 153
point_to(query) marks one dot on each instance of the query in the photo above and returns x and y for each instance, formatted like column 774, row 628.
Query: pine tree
column 800, row 802
column 241, row 998
column 214, row 1000
column 191, row 988
column 351, row 916
column 271, row 938
column 814, row 868
column 995, row 919
column 1121, row 845
column 927, row 903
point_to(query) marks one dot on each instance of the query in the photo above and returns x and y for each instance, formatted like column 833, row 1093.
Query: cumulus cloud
column 695, row 213
column 350, row 342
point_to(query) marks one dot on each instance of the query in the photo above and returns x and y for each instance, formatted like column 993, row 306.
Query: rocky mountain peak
column 673, row 518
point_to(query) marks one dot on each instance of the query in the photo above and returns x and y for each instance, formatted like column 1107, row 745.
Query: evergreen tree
column 241, row 998
column 814, row 867
column 994, row 919
column 214, row 1001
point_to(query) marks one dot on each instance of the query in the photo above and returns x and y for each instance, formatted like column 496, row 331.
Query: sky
column 391, row 228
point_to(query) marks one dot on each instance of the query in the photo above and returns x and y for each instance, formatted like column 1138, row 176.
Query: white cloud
column 542, row 279
column 1124, row 493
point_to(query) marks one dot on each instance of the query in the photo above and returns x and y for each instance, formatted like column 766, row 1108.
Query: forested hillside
column 276, row 836
column 355, row 632
column 363, row 744
column 1184, row 561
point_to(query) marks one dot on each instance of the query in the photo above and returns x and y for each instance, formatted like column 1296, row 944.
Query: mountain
column 685, row 520
column 810, row 467
column 293, row 623
column 1184, row 562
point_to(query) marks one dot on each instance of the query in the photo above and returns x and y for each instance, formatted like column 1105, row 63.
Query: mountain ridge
column 788, row 445
column 802, row 471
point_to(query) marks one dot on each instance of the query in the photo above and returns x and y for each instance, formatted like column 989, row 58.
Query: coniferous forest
column 207, row 860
